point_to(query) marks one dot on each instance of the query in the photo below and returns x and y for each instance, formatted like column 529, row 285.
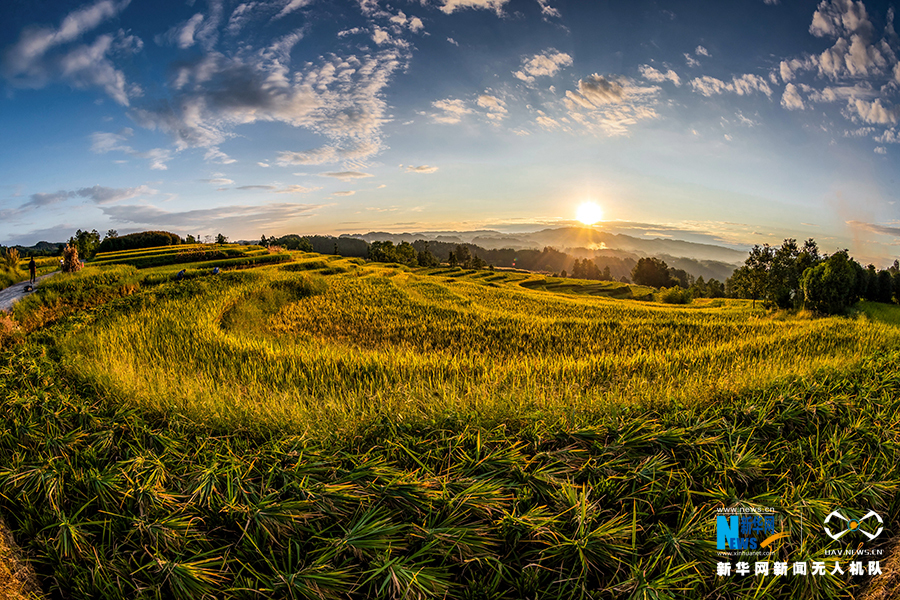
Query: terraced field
column 327, row 427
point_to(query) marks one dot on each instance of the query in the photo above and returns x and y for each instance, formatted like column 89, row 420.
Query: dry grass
column 17, row 580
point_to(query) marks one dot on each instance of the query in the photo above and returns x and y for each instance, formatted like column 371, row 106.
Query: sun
column 589, row 213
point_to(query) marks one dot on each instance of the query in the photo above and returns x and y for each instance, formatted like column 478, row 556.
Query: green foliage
column 386, row 252
column 652, row 272
column 363, row 431
column 134, row 241
column 675, row 295
column 86, row 242
column 113, row 501
column 774, row 274
column 11, row 259
column 829, row 288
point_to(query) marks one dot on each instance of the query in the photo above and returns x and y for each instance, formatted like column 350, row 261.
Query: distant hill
column 571, row 240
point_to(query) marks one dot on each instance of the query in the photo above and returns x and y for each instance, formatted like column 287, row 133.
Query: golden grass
column 267, row 346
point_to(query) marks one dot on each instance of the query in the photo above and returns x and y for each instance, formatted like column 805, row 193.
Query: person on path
column 32, row 270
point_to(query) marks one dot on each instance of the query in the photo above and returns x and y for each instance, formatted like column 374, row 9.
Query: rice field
column 315, row 351
column 328, row 428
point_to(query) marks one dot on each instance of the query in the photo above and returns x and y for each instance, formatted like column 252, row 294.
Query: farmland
column 317, row 426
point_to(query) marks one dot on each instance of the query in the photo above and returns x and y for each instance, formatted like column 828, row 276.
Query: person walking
column 32, row 270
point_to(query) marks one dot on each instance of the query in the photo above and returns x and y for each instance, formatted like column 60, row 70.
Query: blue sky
column 733, row 123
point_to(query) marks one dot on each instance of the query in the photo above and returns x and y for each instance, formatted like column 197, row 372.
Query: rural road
column 16, row 292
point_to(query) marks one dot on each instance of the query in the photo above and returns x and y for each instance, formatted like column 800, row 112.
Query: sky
column 733, row 123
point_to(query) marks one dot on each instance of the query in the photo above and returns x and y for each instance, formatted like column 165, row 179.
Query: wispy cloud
column 346, row 175
column 610, row 104
column 546, row 64
column 420, row 169
column 46, row 54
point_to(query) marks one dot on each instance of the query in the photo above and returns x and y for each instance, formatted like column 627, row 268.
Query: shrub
column 143, row 239
column 675, row 295
column 11, row 258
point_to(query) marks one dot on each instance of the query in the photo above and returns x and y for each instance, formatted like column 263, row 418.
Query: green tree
column 652, row 272
column 221, row 239
column 86, row 242
column 885, row 286
column 830, row 287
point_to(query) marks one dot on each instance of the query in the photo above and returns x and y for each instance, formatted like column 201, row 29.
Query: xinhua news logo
column 747, row 530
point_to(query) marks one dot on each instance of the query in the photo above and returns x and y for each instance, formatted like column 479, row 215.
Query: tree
column 829, row 288
column 463, row 257
column 111, row 234
column 86, row 242
column 652, row 272
column 263, row 241
column 885, row 287
column 221, row 239
column 426, row 259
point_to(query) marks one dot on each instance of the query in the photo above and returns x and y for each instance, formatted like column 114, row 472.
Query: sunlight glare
column 589, row 213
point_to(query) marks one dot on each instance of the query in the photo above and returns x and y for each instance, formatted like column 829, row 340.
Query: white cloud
column 890, row 136
column 880, row 150
column 295, row 189
column 691, row 61
column 264, row 165
column 420, row 169
column 339, row 98
column 380, row 36
column 103, row 142
column 327, row 154
column 546, row 64
column 651, row 74
column 452, row 109
column 106, row 195
column 347, row 193
column 182, row 35
column 838, row 17
column 791, row 99
column 743, row 85
column 701, row 51
column 608, row 105
column 548, row 11
column 98, row 194
column 240, row 15
column 216, row 155
column 495, row 107
column 872, row 112
column 38, row 58
column 224, row 218
column 347, row 175
column 291, row 6
column 452, row 41
column 450, row 6
column 218, row 181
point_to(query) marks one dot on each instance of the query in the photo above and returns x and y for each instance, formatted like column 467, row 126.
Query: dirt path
column 16, row 292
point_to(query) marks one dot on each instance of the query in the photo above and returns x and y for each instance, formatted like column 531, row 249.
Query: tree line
column 795, row 276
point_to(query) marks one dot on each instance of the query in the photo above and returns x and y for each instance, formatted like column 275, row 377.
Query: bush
column 829, row 288
column 675, row 295
column 143, row 239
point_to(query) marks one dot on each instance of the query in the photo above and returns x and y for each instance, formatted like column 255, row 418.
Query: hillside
column 570, row 238
column 320, row 426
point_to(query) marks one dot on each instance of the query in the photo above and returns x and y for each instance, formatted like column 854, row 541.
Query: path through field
column 16, row 292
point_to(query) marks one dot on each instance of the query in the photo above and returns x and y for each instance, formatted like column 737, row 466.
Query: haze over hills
column 571, row 240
